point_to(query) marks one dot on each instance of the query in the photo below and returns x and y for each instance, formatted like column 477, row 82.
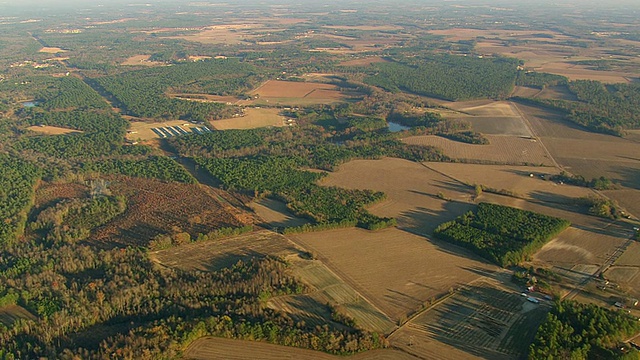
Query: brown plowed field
column 216, row 254
column 253, row 118
column 211, row 348
column 293, row 93
column 586, row 153
column 501, row 149
column 155, row 207
column 395, row 270
column 516, row 179
column 577, row 246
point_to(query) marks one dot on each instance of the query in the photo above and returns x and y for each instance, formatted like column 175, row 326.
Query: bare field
column 586, row 153
column 514, row 178
column 486, row 108
column 297, row 93
column 501, row 149
column 556, row 92
column 141, row 131
column 364, row 27
column 52, row 50
column 253, row 118
column 211, row 348
column 9, row 314
column 328, row 288
column 577, row 246
column 52, row 130
column 363, row 61
column 525, row 91
column 479, row 320
column 393, row 269
column 217, row 254
column 223, row 34
column 411, row 191
column 275, row 214
column 140, row 60
column 157, row 208
column 631, row 257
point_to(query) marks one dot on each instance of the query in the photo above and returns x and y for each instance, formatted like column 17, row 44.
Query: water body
column 395, row 127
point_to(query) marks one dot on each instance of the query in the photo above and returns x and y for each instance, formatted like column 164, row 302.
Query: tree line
column 502, row 234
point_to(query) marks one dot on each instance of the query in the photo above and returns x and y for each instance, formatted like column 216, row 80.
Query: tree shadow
column 628, row 176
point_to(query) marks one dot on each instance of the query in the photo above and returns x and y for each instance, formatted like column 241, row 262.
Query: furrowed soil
column 216, row 254
column 211, row 348
column 395, row 270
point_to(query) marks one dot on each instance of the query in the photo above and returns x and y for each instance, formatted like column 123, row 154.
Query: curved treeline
column 142, row 92
column 18, row 179
column 608, row 109
column 502, row 234
column 574, row 330
column 279, row 177
column 153, row 167
column 448, row 77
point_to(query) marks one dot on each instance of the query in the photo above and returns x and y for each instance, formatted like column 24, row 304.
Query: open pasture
column 52, row 130
column 230, row 34
column 220, row 253
column 411, row 190
column 501, row 149
column 479, row 319
column 395, row 270
column 158, row 208
column 212, row 348
column 274, row 92
column 9, row 314
column 252, row 118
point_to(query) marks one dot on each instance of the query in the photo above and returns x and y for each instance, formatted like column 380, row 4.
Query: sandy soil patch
column 198, row 57
column 51, row 50
column 209, row 348
column 395, row 270
column 253, row 118
column 363, row 61
column 141, row 131
column 52, row 130
column 140, row 60
column 501, row 149
column 411, row 190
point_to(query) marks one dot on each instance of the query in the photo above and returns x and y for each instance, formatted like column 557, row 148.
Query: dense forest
column 17, row 182
column 143, row 92
column 502, row 234
column 448, row 77
column 155, row 167
column 574, row 330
